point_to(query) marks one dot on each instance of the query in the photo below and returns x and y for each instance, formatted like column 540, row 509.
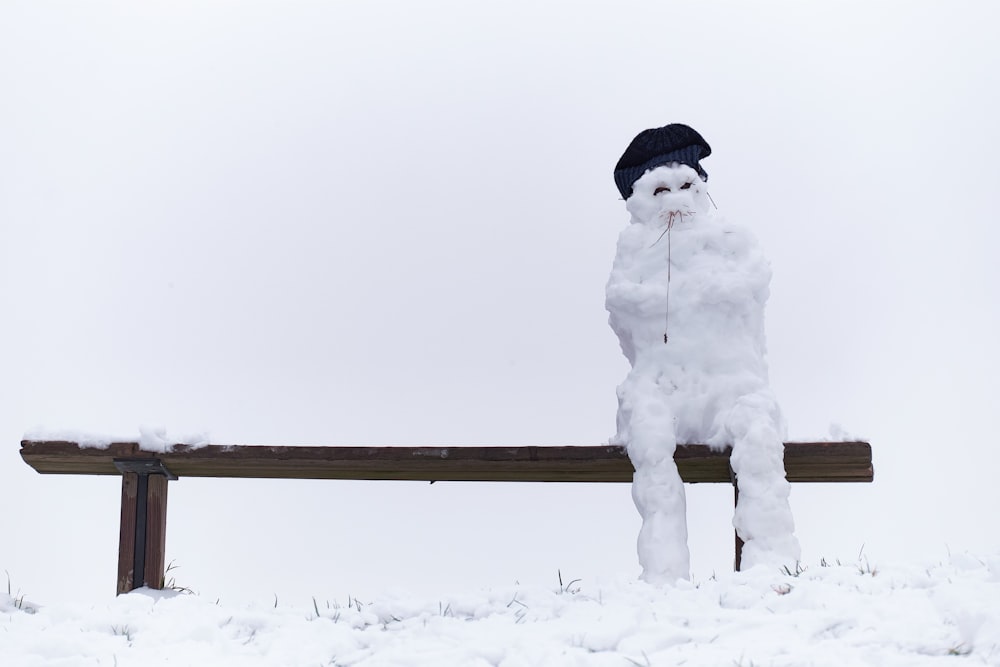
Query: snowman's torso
column 704, row 284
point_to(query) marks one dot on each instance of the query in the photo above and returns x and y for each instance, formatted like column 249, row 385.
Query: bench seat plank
column 804, row 462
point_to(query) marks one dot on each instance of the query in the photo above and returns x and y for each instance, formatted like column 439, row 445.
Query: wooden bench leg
column 739, row 542
column 143, row 530
column 736, row 501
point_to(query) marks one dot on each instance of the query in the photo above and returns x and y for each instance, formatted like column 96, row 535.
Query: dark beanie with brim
column 657, row 147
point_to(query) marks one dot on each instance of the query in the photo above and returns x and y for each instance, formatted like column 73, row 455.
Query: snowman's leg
column 657, row 489
column 646, row 426
column 658, row 493
column 763, row 518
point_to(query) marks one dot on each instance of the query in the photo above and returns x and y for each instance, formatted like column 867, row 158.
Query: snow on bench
column 145, row 474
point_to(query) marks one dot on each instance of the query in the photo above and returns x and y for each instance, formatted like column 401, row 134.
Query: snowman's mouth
column 676, row 216
column 670, row 219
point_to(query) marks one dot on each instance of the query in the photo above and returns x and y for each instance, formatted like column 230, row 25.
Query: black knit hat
column 657, row 147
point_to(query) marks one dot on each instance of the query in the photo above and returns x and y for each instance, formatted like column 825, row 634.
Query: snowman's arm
column 736, row 277
column 642, row 298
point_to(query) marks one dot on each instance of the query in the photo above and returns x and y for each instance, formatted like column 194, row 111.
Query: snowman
column 686, row 299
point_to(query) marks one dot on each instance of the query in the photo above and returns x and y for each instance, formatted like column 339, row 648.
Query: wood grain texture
column 156, row 531
column 804, row 462
column 126, row 536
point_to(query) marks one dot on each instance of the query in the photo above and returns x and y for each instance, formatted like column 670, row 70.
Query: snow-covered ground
column 833, row 614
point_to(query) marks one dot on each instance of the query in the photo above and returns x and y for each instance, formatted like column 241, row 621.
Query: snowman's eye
column 685, row 186
column 660, row 189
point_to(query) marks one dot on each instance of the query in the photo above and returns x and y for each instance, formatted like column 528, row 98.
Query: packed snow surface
column 686, row 298
column 833, row 615
column 151, row 438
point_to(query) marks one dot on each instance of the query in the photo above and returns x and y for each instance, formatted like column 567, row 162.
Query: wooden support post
column 126, row 536
column 142, row 534
column 156, row 531
column 739, row 542
column 738, row 558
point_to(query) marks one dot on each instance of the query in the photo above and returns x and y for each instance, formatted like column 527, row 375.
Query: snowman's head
column 668, row 194
column 660, row 147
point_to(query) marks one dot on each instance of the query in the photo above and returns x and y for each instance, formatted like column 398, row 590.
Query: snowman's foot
column 774, row 552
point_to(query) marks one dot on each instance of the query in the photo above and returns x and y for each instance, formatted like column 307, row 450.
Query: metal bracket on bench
column 144, row 467
column 143, row 527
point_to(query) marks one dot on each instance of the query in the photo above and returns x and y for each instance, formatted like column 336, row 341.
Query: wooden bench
column 145, row 475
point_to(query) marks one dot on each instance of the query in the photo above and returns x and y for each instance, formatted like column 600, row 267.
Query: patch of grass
column 960, row 649
column 333, row 610
column 867, row 568
column 18, row 598
column 171, row 583
column 799, row 569
column 520, row 612
column 640, row 664
column 864, row 567
column 568, row 588
column 122, row 631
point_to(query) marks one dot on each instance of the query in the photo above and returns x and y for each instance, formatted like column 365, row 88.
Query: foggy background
column 391, row 223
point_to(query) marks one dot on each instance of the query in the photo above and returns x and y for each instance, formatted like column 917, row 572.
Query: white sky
column 391, row 223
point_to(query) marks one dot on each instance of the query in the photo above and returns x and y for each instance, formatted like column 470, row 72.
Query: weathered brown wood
column 126, row 535
column 148, row 496
column 804, row 462
column 738, row 559
column 156, row 531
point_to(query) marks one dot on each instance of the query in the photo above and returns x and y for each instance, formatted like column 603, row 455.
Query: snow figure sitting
column 686, row 299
